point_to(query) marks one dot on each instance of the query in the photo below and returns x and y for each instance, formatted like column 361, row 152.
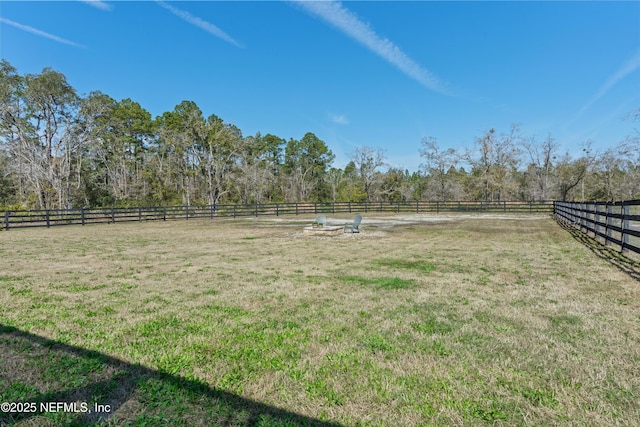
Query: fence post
column 608, row 231
column 578, row 209
column 296, row 208
column 583, row 212
column 6, row 220
column 256, row 212
column 82, row 215
column 164, row 213
column 47, row 217
column 113, row 215
column 234, row 211
column 596, row 219
column 277, row 209
column 186, row 212
column 587, row 216
column 625, row 226
column 349, row 207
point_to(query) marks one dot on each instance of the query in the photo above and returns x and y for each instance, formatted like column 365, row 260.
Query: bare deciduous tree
column 541, row 166
column 494, row 162
column 438, row 165
column 367, row 161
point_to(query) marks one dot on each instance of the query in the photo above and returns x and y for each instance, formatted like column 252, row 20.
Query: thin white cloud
column 200, row 23
column 38, row 32
column 340, row 119
column 344, row 20
column 627, row 68
column 99, row 4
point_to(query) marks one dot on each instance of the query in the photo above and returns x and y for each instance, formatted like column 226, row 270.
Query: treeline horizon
column 59, row 150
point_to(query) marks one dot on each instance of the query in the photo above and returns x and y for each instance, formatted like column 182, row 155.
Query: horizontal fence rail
column 615, row 223
column 82, row 216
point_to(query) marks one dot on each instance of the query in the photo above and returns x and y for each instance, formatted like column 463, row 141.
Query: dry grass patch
column 471, row 321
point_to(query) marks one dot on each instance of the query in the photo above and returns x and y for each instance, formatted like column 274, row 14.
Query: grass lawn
column 465, row 321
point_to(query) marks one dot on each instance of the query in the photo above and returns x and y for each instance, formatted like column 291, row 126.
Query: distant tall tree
column 265, row 148
column 8, row 189
column 224, row 145
column 608, row 176
column 272, row 156
column 252, row 182
column 305, row 163
column 571, row 173
column 391, row 185
column 412, row 187
column 124, row 132
column 257, row 168
column 11, row 114
column 493, row 164
column 121, row 162
column 367, row 161
column 38, row 125
column 541, row 167
column 438, row 164
column 333, row 178
column 95, row 120
column 183, row 135
column 349, row 188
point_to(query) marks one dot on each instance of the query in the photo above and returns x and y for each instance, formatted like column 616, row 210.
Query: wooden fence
column 615, row 223
column 53, row 217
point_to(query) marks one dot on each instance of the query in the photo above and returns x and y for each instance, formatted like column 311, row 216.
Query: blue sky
column 380, row 74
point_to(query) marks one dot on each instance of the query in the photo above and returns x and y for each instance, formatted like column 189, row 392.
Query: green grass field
column 468, row 321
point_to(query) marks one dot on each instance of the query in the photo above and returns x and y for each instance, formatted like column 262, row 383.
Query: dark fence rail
column 615, row 223
column 81, row 216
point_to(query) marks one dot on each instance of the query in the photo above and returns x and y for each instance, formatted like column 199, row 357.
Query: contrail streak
column 200, row 23
column 99, row 4
column 629, row 67
column 38, row 32
column 344, row 20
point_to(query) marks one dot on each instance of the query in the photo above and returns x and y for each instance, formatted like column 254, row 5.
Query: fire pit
column 327, row 230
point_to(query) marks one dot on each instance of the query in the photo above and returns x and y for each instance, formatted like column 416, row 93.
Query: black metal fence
column 615, row 223
column 82, row 216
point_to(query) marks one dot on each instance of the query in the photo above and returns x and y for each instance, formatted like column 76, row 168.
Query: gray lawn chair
column 321, row 220
column 353, row 226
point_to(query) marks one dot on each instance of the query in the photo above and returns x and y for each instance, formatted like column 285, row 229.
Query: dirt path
column 391, row 220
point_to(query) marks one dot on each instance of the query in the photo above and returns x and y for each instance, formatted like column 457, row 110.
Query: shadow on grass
column 607, row 253
column 71, row 380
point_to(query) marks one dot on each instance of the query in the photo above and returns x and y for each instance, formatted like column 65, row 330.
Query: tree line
column 62, row 150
